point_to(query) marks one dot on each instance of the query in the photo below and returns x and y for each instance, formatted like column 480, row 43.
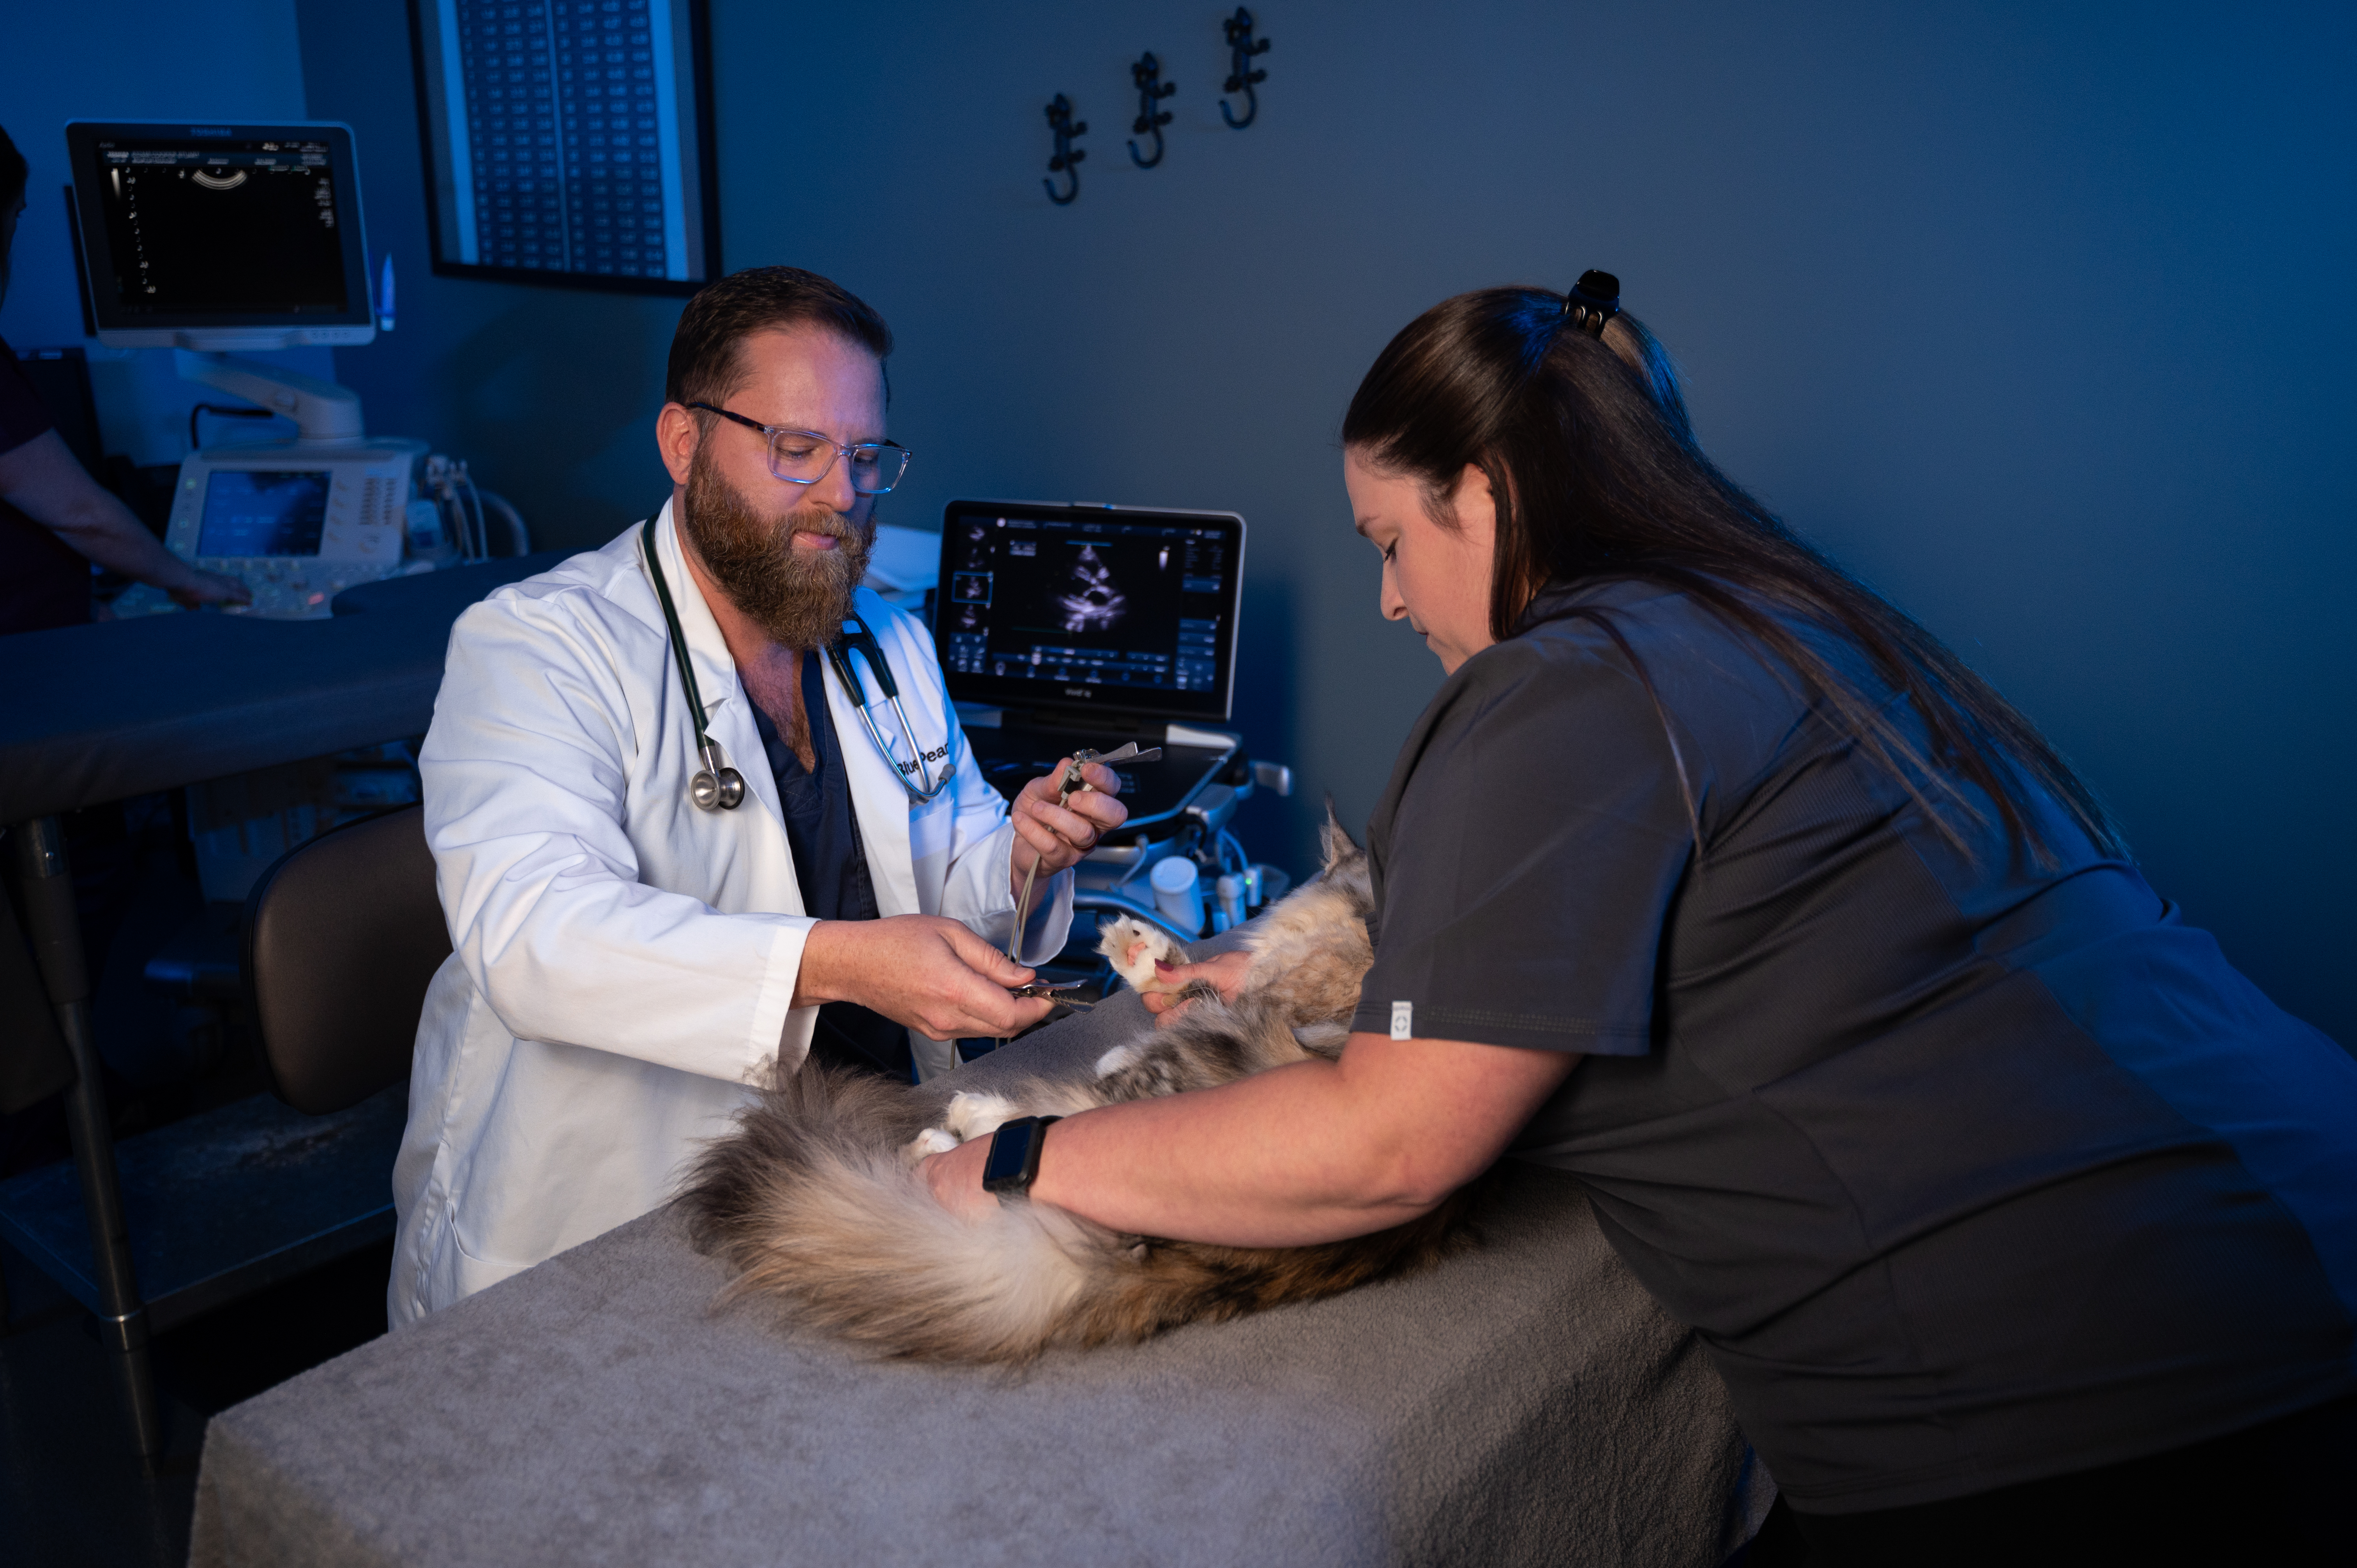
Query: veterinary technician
column 2020, row 1227
column 55, row 520
column 653, row 909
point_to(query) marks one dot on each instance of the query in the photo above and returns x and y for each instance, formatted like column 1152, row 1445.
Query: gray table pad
column 1524, row 1403
column 102, row 712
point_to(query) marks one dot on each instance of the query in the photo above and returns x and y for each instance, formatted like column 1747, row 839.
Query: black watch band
column 1014, row 1162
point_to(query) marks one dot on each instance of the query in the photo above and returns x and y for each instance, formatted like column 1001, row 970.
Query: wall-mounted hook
column 1151, row 89
column 1240, row 75
column 1068, row 158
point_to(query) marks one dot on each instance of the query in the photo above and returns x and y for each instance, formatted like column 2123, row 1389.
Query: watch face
column 1010, row 1154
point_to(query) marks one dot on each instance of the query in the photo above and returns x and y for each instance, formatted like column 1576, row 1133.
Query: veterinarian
column 635, row 944
column 2021, row 1227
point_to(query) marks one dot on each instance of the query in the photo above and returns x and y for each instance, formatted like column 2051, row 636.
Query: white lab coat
column 624, row 963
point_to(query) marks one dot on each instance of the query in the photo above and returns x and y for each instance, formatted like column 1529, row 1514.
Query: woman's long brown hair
column 1595, row 474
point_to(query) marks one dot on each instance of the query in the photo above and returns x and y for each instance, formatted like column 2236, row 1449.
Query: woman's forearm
column 1276, row 1160
column 1315, row 1151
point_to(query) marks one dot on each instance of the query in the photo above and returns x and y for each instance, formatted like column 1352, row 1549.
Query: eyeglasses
column 805, row 456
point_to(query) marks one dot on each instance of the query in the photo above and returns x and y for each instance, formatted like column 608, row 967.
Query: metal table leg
column 36, row 860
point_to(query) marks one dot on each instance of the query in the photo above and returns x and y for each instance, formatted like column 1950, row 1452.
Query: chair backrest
column 342, row 937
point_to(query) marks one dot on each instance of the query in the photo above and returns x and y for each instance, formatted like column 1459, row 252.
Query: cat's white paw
column 934, row 1141
column 971, row 1115
column 1135, row 950
column 1114, row 1060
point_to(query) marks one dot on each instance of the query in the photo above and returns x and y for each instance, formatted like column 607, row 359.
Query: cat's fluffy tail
column 822, row 1217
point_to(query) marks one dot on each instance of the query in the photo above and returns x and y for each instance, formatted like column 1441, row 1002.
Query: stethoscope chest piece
column 720, row 789
column 713, row 788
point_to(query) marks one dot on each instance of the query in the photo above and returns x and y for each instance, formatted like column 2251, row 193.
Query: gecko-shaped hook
column 1240, row 76
column 1068, row 158
column 1151, row 89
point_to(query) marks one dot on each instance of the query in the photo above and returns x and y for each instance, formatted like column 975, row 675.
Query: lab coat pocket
column 468, row 1274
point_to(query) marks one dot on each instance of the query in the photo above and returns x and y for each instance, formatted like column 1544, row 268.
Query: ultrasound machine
column 1066, row 626
column 212, row 239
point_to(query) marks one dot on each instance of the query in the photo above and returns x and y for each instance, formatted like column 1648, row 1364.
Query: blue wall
column 2035, row 316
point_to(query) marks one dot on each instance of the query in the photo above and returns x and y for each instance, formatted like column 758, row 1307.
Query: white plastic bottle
column 1178, row 893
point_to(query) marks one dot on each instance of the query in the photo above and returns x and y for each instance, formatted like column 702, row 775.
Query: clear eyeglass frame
column 806, row 456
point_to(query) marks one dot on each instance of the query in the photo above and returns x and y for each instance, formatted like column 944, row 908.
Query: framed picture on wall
column 569, row 142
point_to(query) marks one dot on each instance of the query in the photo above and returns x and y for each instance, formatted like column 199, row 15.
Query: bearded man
column 650, row 915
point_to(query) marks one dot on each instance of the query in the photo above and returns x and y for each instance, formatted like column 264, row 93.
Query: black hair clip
column 1594, row 300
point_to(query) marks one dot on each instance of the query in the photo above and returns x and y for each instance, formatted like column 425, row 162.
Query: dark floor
column 72, row 1495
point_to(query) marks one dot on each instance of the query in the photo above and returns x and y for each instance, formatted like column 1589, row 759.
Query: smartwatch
column 1014, row 1162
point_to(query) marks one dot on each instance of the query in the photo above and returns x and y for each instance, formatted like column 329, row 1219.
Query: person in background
column 54, row 518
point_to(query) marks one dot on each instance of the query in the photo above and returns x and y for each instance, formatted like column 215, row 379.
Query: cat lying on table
column 817, row 1204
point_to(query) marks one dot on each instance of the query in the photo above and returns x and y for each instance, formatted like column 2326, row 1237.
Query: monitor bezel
column 707, row 174
column 1127, row 702
column 353, row 325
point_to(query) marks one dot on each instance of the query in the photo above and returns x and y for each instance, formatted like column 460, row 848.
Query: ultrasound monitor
column 220, row 236
column 1107, row 609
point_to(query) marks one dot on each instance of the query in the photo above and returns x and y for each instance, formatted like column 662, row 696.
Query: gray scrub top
column 1968, row 1171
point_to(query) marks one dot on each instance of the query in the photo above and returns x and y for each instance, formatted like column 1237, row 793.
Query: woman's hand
column 955, row 1178
column 1225, row 972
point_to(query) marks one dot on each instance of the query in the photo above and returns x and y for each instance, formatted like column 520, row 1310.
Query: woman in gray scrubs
column 2021, row 1227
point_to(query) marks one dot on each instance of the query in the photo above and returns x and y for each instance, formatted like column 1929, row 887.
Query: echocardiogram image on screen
column 1133, row 611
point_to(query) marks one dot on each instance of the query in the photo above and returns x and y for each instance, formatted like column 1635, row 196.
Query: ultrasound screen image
column 1089, row 605
column 263, row 512
column 222, row 225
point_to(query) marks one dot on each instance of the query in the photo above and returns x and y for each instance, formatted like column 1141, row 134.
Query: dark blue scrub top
column 831, row 868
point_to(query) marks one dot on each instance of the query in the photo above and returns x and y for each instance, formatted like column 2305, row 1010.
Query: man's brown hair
column 704, row 367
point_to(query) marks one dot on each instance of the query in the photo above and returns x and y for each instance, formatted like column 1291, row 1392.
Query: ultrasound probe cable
column 1066, row 787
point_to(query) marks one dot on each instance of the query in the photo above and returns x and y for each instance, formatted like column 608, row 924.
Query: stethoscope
column 716, row 788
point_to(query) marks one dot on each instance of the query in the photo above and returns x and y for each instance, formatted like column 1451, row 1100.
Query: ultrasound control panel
column 297, row 525
column 1113, row 609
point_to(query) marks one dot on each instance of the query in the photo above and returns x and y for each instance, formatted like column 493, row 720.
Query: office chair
column 342, row 938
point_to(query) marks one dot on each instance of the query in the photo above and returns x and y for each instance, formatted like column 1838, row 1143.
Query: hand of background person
column 1224, row 972
column 1060, row 836
column 41, row 479
column 199, row 588
column 928, row 973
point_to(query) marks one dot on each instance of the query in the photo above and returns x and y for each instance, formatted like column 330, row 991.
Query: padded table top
column 119, row 708
column 1526, row 1401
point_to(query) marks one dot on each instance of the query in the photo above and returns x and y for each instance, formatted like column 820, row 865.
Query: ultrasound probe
column 1066, row 787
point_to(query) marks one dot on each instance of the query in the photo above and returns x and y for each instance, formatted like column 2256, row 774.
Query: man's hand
column 1225, row 971
column 1060, row 836
column 928, row 972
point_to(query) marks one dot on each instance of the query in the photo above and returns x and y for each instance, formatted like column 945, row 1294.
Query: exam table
column 1524, row 1402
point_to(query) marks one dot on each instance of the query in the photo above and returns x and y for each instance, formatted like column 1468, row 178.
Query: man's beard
column 800, row 598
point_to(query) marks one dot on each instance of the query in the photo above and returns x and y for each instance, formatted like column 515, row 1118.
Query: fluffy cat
column 815, row 1204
